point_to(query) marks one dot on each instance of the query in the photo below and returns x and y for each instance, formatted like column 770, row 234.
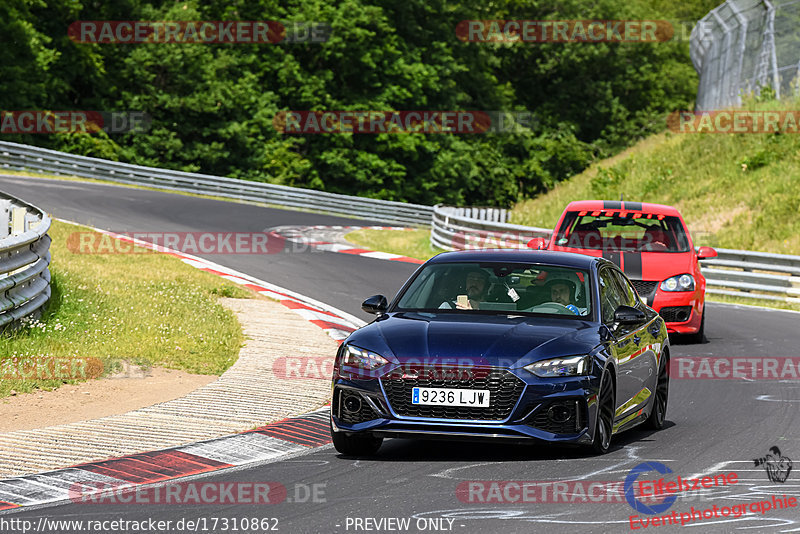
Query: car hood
column 466, row 338
column 643, row 265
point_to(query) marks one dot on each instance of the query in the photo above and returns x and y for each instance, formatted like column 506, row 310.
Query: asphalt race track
column 714, row 426
column 336, row 279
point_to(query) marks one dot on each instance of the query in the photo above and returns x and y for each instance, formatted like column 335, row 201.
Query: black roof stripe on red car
column 614, row 256
column 632, row 264
column 612, row 205
column 633, row 206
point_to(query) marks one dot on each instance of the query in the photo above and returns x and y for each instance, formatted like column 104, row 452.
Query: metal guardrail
column 498, row 215
column 763, row 275
column 740, row 273
column 452, row 229
column 35, row 159
column 24, row 260
column 735, row 272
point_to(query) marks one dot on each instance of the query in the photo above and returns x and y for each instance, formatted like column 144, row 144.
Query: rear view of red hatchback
column 651, row 244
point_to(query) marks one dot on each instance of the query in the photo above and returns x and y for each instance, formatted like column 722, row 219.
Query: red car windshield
column 627, row 231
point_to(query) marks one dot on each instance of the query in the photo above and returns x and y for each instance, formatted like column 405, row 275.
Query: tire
column 357, row 445
column 699, row 336
column 661, row 396
column 605, row 415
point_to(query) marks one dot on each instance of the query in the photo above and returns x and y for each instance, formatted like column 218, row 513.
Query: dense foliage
column 213, row 104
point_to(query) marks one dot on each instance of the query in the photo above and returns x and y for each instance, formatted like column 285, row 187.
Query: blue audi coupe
column 515, row 345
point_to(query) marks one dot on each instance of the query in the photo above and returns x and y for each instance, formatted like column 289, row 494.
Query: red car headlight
column 681, row 282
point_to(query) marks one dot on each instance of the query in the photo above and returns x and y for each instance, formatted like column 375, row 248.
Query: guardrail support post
column 5, row 217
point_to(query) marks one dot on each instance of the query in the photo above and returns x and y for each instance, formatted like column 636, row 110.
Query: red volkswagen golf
column 651, row 244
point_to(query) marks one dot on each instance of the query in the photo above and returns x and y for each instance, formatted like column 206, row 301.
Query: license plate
column 450, row 397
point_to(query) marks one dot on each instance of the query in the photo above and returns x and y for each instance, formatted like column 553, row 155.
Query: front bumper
column 677, row 305
column 561, row 410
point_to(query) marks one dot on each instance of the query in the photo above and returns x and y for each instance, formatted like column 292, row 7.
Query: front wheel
column 661, row 396
column 605, row 415
column 356, row 445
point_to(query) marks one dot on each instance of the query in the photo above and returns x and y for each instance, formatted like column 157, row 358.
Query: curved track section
column 339, row 280
column 714, row 426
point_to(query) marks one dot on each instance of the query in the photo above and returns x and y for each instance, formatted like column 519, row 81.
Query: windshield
column 625, row 230
column 517, row 288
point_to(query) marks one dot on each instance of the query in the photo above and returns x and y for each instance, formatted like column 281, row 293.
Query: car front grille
column 559, row 417
column 644, row 287
column 676, row 314
column 503, row 386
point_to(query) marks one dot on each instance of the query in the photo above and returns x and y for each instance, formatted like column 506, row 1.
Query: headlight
column 681, row 282
column 362, row 359
column 572, row 366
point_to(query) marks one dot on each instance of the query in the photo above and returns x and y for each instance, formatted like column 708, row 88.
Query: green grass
column 148, row 309
column 412, row 243
column 737, row 191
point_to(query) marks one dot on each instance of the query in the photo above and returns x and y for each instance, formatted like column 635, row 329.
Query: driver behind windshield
column 564, row 292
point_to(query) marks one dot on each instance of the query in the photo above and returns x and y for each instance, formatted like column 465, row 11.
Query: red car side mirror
column 706, row 252
column 538, row 243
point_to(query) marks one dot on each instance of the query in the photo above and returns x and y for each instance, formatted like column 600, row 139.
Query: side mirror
column 537, row 243
column 706, row 252
column 375, row 305
column 628, row 315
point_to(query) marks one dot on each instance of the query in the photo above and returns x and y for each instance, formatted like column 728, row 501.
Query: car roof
column 623, row 205
column 544, row 257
